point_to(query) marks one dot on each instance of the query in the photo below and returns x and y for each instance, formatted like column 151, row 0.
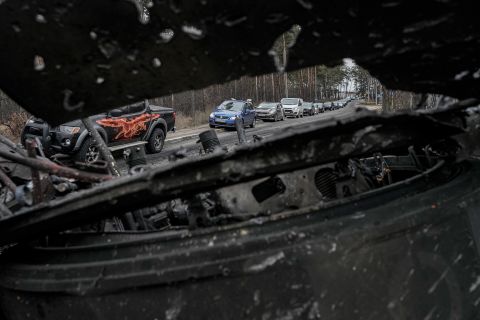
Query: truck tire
column 88, row 152
column 156, row 141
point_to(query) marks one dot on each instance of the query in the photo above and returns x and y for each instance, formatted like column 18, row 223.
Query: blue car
column 225, row 114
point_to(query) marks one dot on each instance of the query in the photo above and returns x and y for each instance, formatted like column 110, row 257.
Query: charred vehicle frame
column 370, row 217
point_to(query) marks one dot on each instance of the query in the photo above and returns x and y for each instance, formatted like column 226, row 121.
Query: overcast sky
column 350, row 63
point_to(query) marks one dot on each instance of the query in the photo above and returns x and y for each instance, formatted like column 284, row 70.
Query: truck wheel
column 156, row 141
column 88, row 152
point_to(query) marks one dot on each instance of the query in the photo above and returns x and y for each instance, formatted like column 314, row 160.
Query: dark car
column 337, row 104
column 329, row 106
column 308, row 109
column 319, row 107
column 226, row 113
column 119, row 127
column 270, row 111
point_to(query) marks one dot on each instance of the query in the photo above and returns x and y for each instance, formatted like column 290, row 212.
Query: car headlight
column 69, row 130
column 212, row 115
column 233, row 118
column 271, row 111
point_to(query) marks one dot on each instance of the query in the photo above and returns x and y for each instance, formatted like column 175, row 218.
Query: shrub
column 183, row 121
column 12, row 127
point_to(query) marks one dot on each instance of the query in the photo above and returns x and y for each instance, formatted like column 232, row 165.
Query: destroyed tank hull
column 407, row 251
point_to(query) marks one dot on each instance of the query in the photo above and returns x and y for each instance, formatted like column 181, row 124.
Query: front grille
column 326, row 183
column 222, row 117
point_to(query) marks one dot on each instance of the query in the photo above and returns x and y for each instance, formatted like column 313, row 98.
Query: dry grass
column 12, row 128
column 185, row 122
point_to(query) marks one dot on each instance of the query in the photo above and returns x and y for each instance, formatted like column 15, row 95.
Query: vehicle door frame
column 148, row 110
column 108, row 115
column 131, row 114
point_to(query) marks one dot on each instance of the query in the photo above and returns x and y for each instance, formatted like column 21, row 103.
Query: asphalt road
column 188, row 147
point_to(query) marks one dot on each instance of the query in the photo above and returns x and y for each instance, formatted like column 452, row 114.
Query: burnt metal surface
column 66, row 60
column 394, row 254
column 364, row 134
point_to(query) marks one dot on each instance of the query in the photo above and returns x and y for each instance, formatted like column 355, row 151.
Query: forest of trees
column 374, row 92
column 317, row 83
column 312, row 84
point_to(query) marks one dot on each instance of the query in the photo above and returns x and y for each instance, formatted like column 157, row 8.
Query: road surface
column 187, row 146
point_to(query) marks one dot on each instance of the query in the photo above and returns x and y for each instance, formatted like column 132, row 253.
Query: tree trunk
column 273, row 88
column 256, row 88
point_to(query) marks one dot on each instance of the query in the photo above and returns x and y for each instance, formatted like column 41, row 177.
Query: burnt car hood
column 64, row 61
column 54, row 55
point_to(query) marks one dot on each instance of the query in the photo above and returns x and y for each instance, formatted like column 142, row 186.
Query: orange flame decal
column 129, row 128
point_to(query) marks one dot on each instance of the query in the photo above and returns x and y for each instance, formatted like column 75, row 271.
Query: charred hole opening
column 268, row 189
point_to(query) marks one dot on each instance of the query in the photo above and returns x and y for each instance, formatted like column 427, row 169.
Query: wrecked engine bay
column 285, row 191
column 321, row 184
column 298, row 176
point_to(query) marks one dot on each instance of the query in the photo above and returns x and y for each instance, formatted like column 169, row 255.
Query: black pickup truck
column 119, row 128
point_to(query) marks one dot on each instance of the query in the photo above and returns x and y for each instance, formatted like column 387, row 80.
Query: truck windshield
column 267, row 106
column 288, row 101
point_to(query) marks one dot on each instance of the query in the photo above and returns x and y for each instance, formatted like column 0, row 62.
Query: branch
column 37, row 184
column 9, row 143
column 53, row 168
column 7, row 182
column 4, row 211
column 102, row 147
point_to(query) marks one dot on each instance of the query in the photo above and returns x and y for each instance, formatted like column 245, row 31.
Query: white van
column 293, row 107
